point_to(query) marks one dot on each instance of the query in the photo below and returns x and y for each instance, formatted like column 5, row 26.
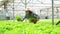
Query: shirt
column 32, row 15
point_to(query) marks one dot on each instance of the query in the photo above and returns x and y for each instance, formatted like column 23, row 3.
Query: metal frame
column 52, row 12
column 52, row 1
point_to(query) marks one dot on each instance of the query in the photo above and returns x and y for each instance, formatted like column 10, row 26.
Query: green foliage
column 42, row 27
column 18, row 18
column 31, row 19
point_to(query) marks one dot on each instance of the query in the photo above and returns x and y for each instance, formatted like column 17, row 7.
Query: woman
column 32, row 17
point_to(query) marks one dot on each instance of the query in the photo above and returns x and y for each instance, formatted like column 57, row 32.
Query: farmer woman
column 32, row 17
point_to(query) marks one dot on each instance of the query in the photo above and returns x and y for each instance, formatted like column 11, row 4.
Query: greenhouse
column 47, row 10
column 17, row 7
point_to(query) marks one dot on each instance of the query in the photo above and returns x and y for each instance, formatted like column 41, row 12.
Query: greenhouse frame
column 43, row 8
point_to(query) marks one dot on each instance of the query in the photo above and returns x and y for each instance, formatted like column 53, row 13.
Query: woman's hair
column 29, row 11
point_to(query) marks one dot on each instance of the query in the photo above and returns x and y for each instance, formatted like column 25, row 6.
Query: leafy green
column 42, row 27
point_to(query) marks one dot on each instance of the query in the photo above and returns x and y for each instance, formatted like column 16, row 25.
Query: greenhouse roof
column 37, row 3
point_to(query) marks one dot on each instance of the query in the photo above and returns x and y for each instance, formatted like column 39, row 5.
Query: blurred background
column 11, row 8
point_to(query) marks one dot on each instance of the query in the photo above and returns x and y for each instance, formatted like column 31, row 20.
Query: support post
column 13, row 10
column 52, row 12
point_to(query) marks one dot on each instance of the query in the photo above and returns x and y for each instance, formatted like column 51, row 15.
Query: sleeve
column 36, row 15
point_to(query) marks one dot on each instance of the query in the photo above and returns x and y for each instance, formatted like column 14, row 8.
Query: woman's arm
column 36, row 16
column 23, row 18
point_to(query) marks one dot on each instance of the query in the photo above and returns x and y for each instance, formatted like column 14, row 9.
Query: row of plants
column 42, row 27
